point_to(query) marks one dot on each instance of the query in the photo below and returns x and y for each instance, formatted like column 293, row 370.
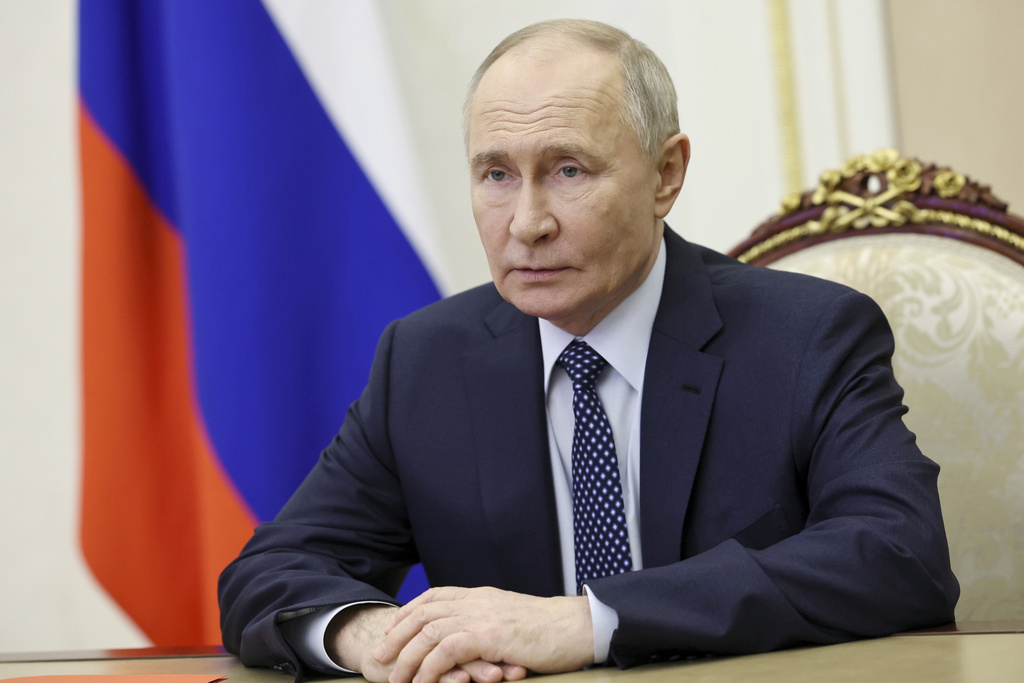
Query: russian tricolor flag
column 250, row 227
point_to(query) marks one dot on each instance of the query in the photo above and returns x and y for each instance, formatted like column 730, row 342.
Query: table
column 957, row 654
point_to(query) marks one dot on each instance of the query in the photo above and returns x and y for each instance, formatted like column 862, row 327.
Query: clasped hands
column 458, row 635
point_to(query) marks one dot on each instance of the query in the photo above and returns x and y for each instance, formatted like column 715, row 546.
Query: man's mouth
column 538, row 274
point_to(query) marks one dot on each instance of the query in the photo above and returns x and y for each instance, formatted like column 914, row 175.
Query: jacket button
column 285, row 667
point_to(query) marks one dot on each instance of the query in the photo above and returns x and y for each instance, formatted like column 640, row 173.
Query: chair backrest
column 945, row 261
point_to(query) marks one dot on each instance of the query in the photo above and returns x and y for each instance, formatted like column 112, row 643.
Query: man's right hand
column 354, row 633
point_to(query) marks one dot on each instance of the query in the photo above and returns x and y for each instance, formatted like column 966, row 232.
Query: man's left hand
column 446, row 627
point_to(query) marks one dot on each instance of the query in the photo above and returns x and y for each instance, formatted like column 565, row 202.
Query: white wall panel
column 867, row 75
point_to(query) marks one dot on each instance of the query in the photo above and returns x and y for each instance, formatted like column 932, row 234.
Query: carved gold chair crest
column 945, row 261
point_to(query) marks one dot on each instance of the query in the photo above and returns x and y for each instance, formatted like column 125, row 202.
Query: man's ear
column 675, row 156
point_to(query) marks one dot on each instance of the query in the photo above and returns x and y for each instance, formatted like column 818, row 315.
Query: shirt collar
column 622, row 337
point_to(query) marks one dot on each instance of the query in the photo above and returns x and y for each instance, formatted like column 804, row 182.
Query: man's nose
column 533, row 220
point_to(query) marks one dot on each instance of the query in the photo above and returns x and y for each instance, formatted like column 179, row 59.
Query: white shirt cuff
column 306, row 635
column 605, row 620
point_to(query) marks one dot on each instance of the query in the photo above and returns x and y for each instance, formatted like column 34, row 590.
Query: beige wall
column 957, row 68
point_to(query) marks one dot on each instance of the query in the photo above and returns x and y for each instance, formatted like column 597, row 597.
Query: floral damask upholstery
column 956, row 307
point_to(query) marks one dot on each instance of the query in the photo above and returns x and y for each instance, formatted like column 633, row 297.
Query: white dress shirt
column 622, row 339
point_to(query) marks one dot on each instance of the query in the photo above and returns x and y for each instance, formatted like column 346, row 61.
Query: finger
column 481, row 671
column 398, row 638
column 407, row 608
column 513, row 672
column 455, row 649
column 409, row 658
column 456, row 675
column 438, row 594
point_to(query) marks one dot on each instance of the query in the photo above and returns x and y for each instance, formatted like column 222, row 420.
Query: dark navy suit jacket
column 782, row 499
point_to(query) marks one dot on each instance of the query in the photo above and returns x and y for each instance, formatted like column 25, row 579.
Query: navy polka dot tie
column 598, row 513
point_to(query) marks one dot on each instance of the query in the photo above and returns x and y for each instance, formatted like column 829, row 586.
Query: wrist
column 580, row 631
column 354, row 633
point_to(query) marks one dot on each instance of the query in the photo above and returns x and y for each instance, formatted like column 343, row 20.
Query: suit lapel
column 504, row 376
column 679, row 392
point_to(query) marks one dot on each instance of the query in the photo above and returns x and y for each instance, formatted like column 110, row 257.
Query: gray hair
column 649, row 106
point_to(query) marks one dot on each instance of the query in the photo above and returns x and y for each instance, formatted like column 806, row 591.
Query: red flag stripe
column 159, row 517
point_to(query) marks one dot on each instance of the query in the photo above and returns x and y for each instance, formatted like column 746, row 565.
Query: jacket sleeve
column 343, row 537
column 869, row 559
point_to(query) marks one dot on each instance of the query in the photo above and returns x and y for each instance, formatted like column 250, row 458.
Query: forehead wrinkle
column 594, row 101
column 550, row 120
column 533, row 133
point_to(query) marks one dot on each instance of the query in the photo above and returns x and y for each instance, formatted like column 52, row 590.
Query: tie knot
column 582, row 363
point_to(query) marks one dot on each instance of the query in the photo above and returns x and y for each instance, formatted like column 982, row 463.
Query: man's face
column 563, row 198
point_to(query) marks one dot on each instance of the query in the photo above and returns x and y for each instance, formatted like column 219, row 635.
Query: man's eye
column 497, row 175
column 569, row 171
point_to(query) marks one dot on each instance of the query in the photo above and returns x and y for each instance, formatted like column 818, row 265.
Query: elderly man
column 627, row 448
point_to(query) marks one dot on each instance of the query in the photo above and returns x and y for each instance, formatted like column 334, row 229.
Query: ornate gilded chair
column 945, row 261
